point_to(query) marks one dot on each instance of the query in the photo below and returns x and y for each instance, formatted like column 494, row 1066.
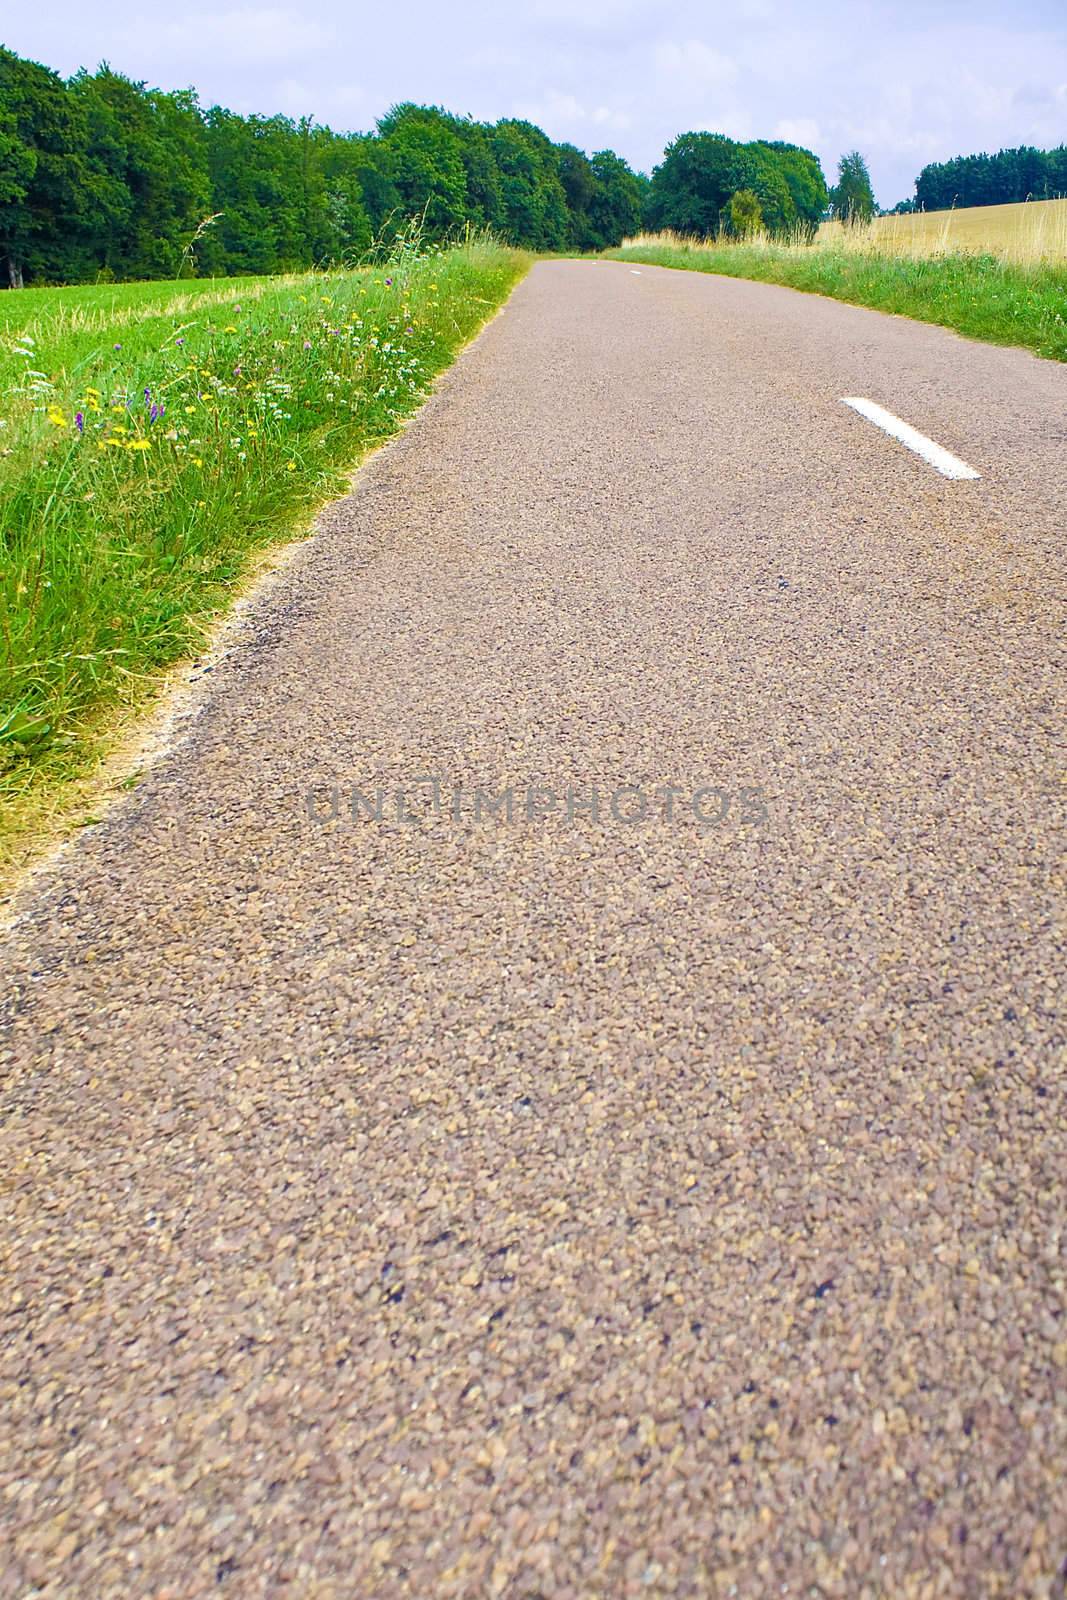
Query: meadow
column 997, row 273
column 153, row 438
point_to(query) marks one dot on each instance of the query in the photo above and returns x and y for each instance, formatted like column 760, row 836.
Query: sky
column 905, row 83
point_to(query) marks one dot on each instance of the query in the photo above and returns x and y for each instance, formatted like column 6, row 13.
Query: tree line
column 711, row 185
column 1024, row 173
column 102, row 177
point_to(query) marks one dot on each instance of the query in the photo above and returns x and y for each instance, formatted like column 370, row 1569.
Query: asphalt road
column 666, row 1201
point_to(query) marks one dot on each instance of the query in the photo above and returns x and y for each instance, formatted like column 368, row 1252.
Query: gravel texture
column 567, row 1207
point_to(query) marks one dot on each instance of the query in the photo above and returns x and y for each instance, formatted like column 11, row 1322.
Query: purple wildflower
column 388, row 283
column 237, row 372
column 147, row 396
column 79, row 421
column 307, row 344
column 117, row 347
column 179, row 341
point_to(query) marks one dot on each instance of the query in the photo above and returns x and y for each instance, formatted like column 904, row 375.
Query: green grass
column 106, row 302
column 124, row 535
column 982, row 296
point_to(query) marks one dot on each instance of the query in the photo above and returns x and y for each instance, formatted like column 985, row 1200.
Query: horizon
column 607, row 80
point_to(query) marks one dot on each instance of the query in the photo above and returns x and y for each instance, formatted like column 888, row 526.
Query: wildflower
column 116, row 347
column 147, row 396
column 189, row 410
column 388, row 283
column 79, row 421
column 138, row 444
column 307, row 344
column 290, row 466
column 179, row 341
column 230, row 329
column 197, row 461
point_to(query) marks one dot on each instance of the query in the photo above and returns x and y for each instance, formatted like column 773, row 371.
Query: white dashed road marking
column 937, row 456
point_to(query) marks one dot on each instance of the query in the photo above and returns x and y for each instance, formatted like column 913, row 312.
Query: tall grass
column 1016, row 295
column 152, row 437
column 1031, row 234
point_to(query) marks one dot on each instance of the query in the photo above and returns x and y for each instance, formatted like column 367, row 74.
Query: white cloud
column 690, row 69
column 255, row 36
column 557, row 111
column 798, row 130
column 341, row 103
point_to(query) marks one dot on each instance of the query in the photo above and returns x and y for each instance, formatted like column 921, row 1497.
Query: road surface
column 660, row 1200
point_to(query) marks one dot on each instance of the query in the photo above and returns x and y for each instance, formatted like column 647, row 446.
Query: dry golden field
column 1030, row 232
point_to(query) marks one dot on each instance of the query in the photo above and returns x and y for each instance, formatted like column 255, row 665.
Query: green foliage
column 693, row 183
column 180, row 427
column 692, row 189
column 106, row 178
column 746, row 214
column 428, row 170
column 804, row 179
column 44, row 190
column 852, row 197
column 984, row 180
column 615, row 209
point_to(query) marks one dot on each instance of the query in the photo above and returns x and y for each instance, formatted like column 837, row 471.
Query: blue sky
column 906, row 83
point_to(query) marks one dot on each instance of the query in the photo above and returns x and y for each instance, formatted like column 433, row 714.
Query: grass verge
column 981, row 295
column 155, row 441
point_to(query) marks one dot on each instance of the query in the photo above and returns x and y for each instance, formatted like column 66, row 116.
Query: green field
column 153, row 438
